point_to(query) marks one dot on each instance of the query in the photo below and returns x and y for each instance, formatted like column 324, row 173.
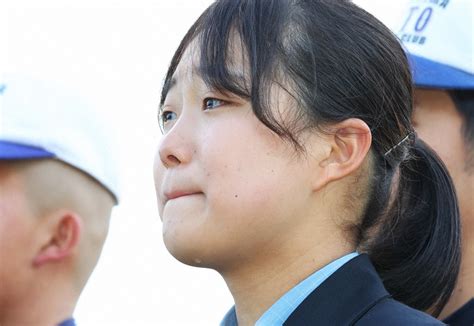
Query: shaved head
column 51, row 184
column 43, row 205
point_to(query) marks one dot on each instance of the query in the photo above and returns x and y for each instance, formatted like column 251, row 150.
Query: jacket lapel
column 343, row 298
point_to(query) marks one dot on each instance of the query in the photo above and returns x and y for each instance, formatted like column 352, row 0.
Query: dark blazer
column 464, row 316
column 355, row 295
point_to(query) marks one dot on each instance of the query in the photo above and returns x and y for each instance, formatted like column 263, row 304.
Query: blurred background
column 115, row 54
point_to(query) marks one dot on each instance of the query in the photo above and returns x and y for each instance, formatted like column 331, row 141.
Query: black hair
column 464, row 102
column 338, row 62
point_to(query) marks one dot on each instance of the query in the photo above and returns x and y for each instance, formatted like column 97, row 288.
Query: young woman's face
column 228, row 188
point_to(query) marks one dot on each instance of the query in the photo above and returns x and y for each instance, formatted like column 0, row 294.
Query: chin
column 197, row 249
column 187, row 254
column 183, row 247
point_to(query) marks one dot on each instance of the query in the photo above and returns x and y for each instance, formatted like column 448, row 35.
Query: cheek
column 14, row 241
column 248, row 161
column 442, row 131
column 158, row 172
column 251, row 186
column 252, row 182
column 439, row 124
column 15, row 222
column 246, row 187
column 16, row 248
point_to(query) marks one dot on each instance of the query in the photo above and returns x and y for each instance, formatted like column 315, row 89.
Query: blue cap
column 431, row 74
column 43, row 119
column 438, row 36
column 14, row 151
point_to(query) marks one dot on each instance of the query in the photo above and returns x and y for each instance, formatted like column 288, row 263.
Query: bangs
column 214, row 35
column 325, row 55
column 239, row 52
column 221, row 40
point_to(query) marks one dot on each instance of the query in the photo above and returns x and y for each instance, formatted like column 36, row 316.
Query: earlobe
column 64, row 234
column 350, row 144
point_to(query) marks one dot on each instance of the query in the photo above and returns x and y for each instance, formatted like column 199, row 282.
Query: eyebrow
column 174, row 80
column 169, row 84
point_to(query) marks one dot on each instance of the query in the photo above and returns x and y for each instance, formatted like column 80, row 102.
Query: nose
column 175, row 148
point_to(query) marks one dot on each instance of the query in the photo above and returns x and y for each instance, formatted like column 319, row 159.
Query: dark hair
column 339, row 62
column 464, row 102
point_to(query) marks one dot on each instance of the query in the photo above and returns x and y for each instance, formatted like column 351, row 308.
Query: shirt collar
column 283, row 307
column 68, row 322
column 230, row 318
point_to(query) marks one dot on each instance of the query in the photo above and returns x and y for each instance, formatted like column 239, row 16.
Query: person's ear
column 350, row 142
column 62, row 234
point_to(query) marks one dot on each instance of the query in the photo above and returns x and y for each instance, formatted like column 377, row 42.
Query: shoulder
column 389, row 312
column 463, row 316
column 355, row 295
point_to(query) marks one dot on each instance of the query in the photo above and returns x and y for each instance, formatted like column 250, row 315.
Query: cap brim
column 431, row 74
column 14, row 151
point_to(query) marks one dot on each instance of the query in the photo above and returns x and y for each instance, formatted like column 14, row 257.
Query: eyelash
column 163, row 119
column 204, row 102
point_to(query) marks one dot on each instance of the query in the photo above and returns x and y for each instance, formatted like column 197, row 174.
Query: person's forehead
column 430, row 102
column 189, row 67
column 18, row 175
column 427, row 95
column 12, row 183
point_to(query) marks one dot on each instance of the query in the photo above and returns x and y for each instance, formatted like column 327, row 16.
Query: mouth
column 180, row 194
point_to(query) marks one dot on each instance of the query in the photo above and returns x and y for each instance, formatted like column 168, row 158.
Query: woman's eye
column 212, row 103
column 165, row 117
column 168, row 116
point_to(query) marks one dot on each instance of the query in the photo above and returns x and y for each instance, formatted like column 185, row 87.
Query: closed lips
column 177, row 194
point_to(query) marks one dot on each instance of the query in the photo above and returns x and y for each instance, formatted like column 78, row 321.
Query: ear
column 350, row 142
column 62, row 238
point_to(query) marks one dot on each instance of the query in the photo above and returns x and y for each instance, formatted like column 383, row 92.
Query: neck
column 45, row 304
column 256, row 286
column 464, row 290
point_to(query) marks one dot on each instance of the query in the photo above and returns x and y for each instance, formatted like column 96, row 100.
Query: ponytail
column 416, row 247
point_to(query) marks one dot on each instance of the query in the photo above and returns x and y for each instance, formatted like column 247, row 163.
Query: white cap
column 439, row 38
column 40, row 119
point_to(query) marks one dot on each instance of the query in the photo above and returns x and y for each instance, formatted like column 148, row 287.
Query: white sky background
column 115, row 54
